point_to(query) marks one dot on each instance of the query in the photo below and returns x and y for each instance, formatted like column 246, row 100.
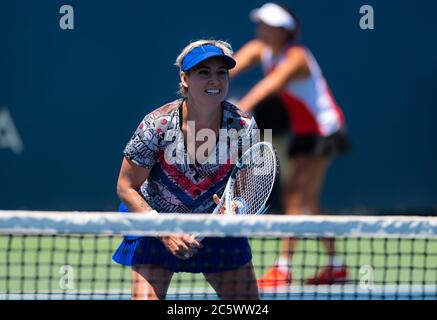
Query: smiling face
column 207, row 84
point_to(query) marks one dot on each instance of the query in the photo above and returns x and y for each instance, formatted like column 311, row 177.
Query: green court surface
column 400, row 268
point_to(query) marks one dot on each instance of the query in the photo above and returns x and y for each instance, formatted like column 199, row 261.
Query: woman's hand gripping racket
column 251, row 183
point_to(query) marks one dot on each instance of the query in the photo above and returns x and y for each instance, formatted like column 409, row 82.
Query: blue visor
column 199, row 54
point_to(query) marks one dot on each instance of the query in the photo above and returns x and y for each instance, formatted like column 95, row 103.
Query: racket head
column 253, row 181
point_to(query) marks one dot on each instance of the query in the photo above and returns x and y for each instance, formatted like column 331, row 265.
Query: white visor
column 274, row 16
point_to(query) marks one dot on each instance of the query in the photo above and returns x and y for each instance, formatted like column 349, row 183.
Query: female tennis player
column 159, row 174
column 317, row 123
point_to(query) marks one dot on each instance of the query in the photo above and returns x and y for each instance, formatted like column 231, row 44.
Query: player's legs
column 301, row 196
column 311, row 201
column 302, row 191
column 150, row 282
column 316, row 167
column 237, row 284
column 336, row 270
column 293, row 198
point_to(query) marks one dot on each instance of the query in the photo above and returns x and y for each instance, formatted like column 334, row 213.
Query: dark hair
column 296, row 33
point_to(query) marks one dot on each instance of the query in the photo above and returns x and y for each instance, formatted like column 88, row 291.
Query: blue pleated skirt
column 217, row 254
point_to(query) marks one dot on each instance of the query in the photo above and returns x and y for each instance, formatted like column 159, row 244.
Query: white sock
column 283, row 264
column 336, row 262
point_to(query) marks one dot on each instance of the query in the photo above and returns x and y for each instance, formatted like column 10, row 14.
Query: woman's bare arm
column 292, row 67
column 247, row 56
column 130, row 179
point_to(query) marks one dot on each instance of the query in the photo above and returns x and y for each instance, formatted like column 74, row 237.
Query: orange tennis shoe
column 330, row 275
column 274, row 277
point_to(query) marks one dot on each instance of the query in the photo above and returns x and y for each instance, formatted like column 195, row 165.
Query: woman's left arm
column 294, row 65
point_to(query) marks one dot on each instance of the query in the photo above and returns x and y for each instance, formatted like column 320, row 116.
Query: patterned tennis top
column 176, row 183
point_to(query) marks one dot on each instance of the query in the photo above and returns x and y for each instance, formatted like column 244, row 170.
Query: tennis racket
column 251, row 184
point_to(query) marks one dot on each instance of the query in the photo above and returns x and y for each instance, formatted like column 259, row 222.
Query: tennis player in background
column 317, row 123
column 149, row 184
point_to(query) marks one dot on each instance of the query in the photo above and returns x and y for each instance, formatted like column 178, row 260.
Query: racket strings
column 254, row 182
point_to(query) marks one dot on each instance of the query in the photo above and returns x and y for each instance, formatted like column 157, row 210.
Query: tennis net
column 68, row 255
